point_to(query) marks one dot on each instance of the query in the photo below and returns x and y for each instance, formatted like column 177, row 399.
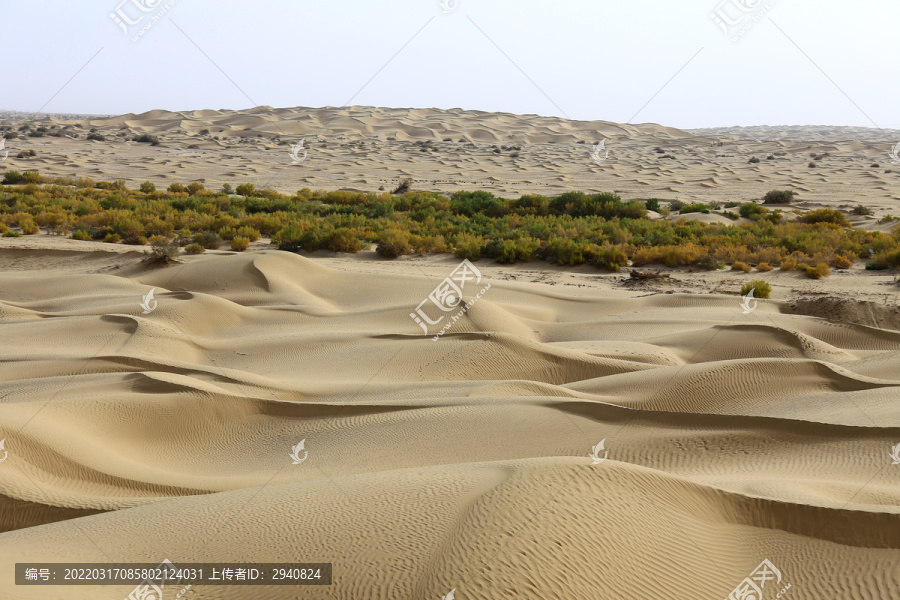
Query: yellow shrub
column 740, row 266
column 764, row 267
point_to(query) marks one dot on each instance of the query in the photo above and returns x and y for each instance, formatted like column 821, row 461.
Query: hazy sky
column 662, row 61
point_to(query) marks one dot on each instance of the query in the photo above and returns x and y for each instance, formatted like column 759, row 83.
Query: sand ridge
column 367, row 148
column 461, row 463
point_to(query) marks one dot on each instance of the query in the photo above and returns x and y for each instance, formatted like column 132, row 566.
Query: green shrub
column 80, row 234
column 208, row 240
column 393, row 243
column 752, row 211
column 607, row 257
column 859, row 209
column 779, row 197
column 148, row 187
column 467, row 246
column 239, row 244
column 146, row 138
column 194, row 249
column 246, row 189
column 709, row 263
column 841, row 262
column 249, row 233
column 227, row 189
column 826, row 215
column 652, row 204
column 693, row 208
column 112, row 238
column 12, row 177
column 760, row 288
column 819, row 271
column 676, row 205
column 343, row 240
column 176, row 188
column 163, row 250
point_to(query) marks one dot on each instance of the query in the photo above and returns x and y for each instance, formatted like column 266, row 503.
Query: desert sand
column 472, row 463
column 364, row 148
column 461, row 463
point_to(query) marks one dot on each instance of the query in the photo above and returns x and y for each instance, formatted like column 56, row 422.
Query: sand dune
column 459, row 463
column 368, row 148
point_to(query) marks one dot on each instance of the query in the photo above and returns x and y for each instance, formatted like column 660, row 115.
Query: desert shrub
column 709, row 263
column 477, row 202
column 565, row 251
column 652, row 204
column 779, row 197
column 227, row 189
column 112, row 238
column 208, row 240
column 740, row 266
column 607, row 257
column 239, row 243
column 176, row 188
column 227, row 233
column 3, row 228
column 692, row 208
column 194, row 249
column 246, row 189
column 195, row 188
column 249, row 233
column 343, row 240
column 467, row 246
column 12, row 177
column 764, row 266
column 819, row 271
column 826, row 215
column 841, row 262
column 163, row 250
column 148, row 187
column 393, row 243
column 404, row 186
column 788, row 264
column 146, row 138
column 96, row 136
column 676, row 205
column 876, row 266
column 760, row 288
column 753, row 160
column 859, row 209
column 752, row 211
column 11, row 233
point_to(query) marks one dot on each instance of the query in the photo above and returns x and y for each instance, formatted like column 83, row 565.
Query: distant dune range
column 365, row 148
column 461, row 463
